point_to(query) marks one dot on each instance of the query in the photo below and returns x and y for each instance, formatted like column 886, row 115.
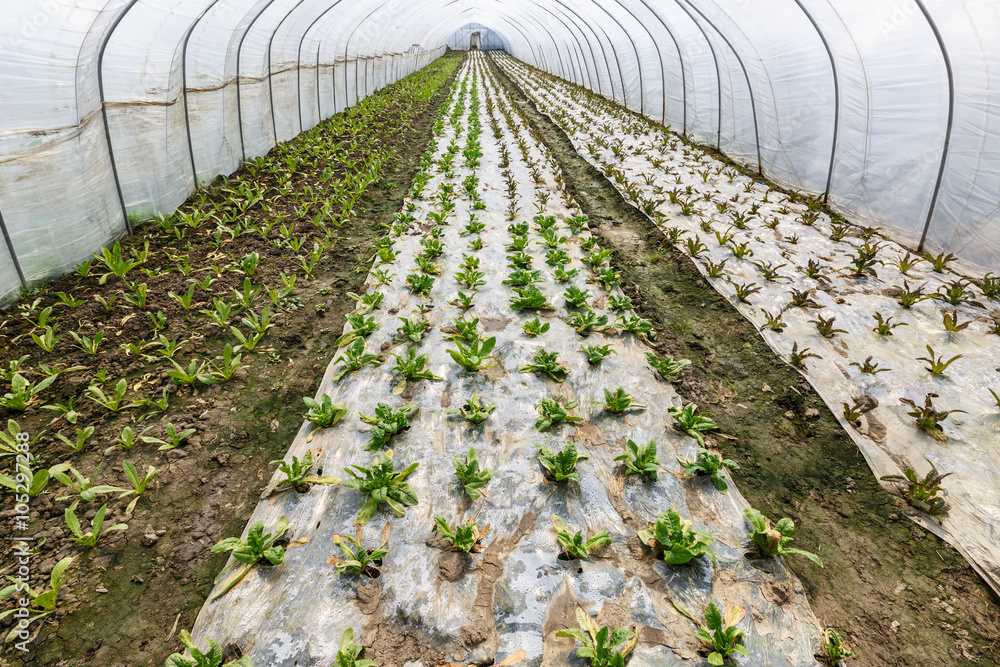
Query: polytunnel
column 387, row 298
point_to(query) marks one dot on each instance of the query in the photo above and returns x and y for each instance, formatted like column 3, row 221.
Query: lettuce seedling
column 545, row 362
column 382, row 484
column 928, row 418
column 466, row 538
column 674, row 539
column 640, row 459
column 361, row 327
column 324, row 413
column 668, row 367
column 357, row 558
column 474, row 411
column 833, row 647
column 937, row 365
column 349, row 653
column 42, row 602
column 552, row 411
column 472, row 357
column 576, row 297
column 771, row 541
column 596, row 353
column 387, row 423
column 411, row 330
column 522, row 278
column 922, row 493
column 617, row 402
column 213, row 658
column 354, row 358
column 297, row 475
column 412, row 366
column 473, row 477
column 535, row 327
column 577, row 545
column 258, row 549
column 711, row 464
column 602, row 646
column 529, row 298
column 90, row 538
column 420, row 283
column 722, row 634
column 585, row 321
column 692, row 423
column 561, row 466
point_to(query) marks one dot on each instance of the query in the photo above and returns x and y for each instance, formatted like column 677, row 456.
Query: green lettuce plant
column 382, row 483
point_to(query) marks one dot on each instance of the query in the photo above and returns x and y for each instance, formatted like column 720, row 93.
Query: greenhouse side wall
column 58, row 197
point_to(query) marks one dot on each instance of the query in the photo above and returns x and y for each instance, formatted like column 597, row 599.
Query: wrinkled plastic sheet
column 887, row 436
column 294, row 614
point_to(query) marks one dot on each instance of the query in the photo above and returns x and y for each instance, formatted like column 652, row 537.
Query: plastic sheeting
column 294, row 614
column 891, row 110
column 886, row 435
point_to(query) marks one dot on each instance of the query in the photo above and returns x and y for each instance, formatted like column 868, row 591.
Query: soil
column 125, row 600
column 898, row 594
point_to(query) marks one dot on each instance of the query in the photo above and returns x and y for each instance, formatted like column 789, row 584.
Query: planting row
column 101, row 369
column 903, row 347
column 483, row 465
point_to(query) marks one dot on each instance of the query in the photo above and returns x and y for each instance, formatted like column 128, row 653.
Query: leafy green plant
column 23, row 393
column 324, row 413
column 711, row 464
column 673, row 538
column 41, row 602
column 640, row 459
column 411, row 330
column 82, row 435
column 929, row 418
column 937, row 366
column 618, row 401
column 465, row 538
column 529, row 298
column 474, row 411
column 577, row 545
column 924, row 494
column 116, row 264
column 97, row 529
column 692, row 422
column 387, row 423
column 668, row 367
column 561, row 466
column 194, row 373
column 596, row 353
column 941, row 262
column 602, row 646
column 382, row 483
column 885, row 326
column 535, row 327
column 213, row 658
column 297, row 475
column 825, row 327
column 88, row 345
column 361, row 327
column 354, row 358
column 722, row 634
column 83, row 487
column 552, row 411
column 229, row 366
column 833, row 646
column 359, row 559
column 412, row 366
column 472, row 356
column 258, row 549
column 175, row 437
column 113, row 403
column 472, row 476
column 139, row 484
column 798, row 357
column 547, row 362
column 575, row 297
column 772, row 541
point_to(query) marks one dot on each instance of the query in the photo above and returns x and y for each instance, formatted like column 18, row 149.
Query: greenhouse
column 475, row 332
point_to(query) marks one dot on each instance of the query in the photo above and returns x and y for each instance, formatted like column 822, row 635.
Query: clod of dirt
column 451, row 566
column 369, row 596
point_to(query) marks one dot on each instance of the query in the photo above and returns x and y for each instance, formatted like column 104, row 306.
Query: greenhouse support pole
column 593, row 56
column 638, row 60
column 718, row 72
column 948, row 127
column 239, row 100
column 347, row 46
column 104, row 110
column 746, row 75
column 836, row 99
column 298, row 68
column 270, row 86
column 10, row 249
column 607, row 64
column 663, row 75
column 680, row 58
column 319, row 48
column 184, row 90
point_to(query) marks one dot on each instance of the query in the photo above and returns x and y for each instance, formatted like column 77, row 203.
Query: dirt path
column 899, row 594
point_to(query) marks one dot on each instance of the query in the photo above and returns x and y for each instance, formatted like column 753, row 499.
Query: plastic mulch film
column 520, row 591
column 857, row 366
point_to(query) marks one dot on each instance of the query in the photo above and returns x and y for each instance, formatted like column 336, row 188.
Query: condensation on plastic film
column 295, row 613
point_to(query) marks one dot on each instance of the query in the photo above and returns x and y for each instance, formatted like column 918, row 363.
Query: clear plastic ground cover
column 520, row 593
column 792, row 255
